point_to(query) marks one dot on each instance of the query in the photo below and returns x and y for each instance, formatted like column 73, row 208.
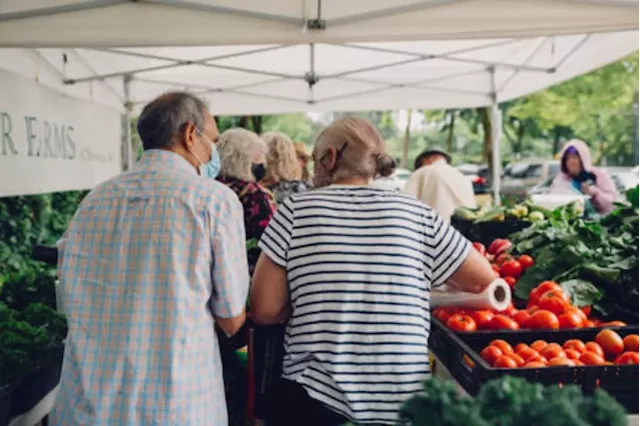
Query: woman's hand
column 587, row 188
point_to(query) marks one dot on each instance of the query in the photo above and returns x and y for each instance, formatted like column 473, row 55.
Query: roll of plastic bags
column 496, row 296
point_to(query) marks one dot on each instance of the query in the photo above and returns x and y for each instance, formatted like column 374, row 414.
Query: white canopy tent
column 264, row 57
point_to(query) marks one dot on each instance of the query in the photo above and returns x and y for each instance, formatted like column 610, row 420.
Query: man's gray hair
column 163, row 118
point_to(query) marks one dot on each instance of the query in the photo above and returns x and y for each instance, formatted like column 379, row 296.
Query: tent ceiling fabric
column 265, row 57
column 131, row 23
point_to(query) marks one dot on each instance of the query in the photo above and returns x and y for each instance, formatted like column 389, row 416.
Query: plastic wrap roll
column 497, row 296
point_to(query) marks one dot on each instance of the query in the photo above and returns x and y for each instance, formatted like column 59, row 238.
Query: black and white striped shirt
column 360, row 263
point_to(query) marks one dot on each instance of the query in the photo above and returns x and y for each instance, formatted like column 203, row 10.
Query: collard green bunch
column 511, row 401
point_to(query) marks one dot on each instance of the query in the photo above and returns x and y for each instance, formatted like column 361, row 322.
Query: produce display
column 607, row 348
column 505, row 265
column 510, row 401
column 525, row 211
column 548, row 308
column 595, row 262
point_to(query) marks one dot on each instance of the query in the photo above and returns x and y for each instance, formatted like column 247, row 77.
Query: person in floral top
column 242, row 157
column 283, row 172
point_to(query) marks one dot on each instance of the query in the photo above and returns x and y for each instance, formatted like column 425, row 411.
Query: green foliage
column 509, row 401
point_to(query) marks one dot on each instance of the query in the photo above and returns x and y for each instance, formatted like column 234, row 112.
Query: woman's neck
column 354, row 181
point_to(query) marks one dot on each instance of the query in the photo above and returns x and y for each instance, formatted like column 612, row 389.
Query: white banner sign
column 50, row 142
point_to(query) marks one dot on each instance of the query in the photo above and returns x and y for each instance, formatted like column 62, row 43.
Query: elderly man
column 439, row 185
column 151, row 261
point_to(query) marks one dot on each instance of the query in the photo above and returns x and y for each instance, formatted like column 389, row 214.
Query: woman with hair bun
column 349, row 268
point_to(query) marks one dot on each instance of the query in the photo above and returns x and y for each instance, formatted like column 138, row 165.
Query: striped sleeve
column 277, row 237
column 230, row 271
column 447, row 247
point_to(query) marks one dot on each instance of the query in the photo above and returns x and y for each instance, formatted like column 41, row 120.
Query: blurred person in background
column 578, row 174
column 303, row 159
column 439, row 185
column 283, row 174
column 242, row 166
column 150, row 262
column 350, row 268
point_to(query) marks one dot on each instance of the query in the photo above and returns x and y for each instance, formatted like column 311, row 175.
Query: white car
column 395, row 182
column 623, row 177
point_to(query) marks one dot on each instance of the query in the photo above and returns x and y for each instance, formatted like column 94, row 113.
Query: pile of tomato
column 607, row 348
column 505, row 265
column 548, row 308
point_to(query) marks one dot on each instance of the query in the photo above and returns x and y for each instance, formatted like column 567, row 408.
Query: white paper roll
column 497, row 296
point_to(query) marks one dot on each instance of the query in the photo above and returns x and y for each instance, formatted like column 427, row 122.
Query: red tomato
column 527, row 353
column 503, row 322
column 561, row 361
column 534, row 364
column 578, row 312
column 519, row 347
column 517, row 358
column 510, row 311
column 482, row 318
column 510, row 281
column 499, row 245
column 533, row 308
column 586, row 310
column 591, row 358
column 614, row 324
column 505, row 362
column 574, row 344
column 572, row 354
column 511, row 268
column 611, row 342
column 543, row 320
column 502, row 345
column 628, row 358
column 551, row 352
column 461, row 322
column 502, row 258
column 521, row 317
column 537, row 358
column 595, row 348
column 570, row 320
column 491, row 354
column 481, row 248
column 545, row 286
column 631, row 343
column 551, row 302
column 589, row 324
column 526, row 261
column 539, row 345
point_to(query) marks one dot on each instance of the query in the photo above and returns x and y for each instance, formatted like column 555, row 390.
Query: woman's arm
column 603, row 193
column 474, row 275
column 269, row 293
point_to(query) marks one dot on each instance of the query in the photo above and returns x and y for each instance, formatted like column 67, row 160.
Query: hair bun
column 385, row 165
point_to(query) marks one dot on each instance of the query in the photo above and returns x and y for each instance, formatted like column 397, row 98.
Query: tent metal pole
column 496, row 131
column 412, row 7
column 56, row 10
column 449, row 56
column 127, row 149
column 174, row 63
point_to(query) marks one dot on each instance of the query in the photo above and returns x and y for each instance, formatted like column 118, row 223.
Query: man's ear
column 189, row 135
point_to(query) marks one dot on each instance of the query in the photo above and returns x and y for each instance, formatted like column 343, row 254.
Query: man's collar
column 166, row 158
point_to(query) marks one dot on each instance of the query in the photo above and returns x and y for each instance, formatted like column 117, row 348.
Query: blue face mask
column 212, row 168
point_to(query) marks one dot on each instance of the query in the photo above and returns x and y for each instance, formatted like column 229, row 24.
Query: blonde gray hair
column 239, row 149
column 282, row 160
column 363, row 149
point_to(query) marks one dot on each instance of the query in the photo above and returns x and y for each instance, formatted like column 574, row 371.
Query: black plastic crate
column 460, row 355
column 5, row 404
column 33, row 388
column 486, row 232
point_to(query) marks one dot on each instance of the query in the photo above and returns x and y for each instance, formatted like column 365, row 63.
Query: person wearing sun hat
column 303, row 158
column 439, row 185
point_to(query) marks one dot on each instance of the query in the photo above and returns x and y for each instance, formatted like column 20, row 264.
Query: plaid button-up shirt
column 149, row 259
